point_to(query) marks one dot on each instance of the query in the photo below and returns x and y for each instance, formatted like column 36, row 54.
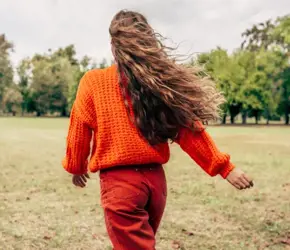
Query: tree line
column 255, row 78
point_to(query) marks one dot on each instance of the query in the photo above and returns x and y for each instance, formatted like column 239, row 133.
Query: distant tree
column 274, row 36
column 68, row 52
column 281, row 34
column 246, row 64
column 6, row 69
column 284, row 101
column 12, row 99
column 85, row 64
column 24, row 74
column 49, row 85
column 228, row 75
column 103, row 64
column 259, row 36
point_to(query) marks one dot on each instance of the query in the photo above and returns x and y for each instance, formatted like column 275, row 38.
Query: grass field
column 40, row 209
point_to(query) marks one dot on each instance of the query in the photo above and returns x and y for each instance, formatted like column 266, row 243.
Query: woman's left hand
column 80, row 180
column 239, row 179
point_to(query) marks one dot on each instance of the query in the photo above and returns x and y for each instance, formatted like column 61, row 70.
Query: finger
column 236, row 185
column 241, row 184
column 249, row 180
column 83, row 184
column 83, row 178
column 80, row 182
column 87, row 176
column 245, row 182
column 74, row 181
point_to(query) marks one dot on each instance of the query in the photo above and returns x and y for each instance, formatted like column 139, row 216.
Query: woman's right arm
column 82, row 122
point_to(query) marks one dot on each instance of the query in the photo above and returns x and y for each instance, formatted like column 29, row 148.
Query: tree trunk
column 64, row 113
column 234, row 110
column 23, row 108
column 244, row 118
column 13, row 113
column 38, row 114
column 224, row 121
column 268, row 116
column 256, row 118
column 287, row 119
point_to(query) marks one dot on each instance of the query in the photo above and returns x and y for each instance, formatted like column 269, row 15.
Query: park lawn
column 40, row 209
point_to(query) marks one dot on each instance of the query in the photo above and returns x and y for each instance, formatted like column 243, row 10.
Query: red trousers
column 133, row 199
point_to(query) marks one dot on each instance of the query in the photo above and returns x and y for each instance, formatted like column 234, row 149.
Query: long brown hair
column 165, row 96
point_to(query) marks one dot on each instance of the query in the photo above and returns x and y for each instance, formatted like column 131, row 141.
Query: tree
column 85, row 64
column 269, row 63
column 246, row 67
column 228, row 75
column 284, row 101
column 274, row 36
column 68, row 52
column 24, row 74
column 103, row 64
column 12, row 99
column 259, row 36
column 259, row 91
column 6, row 70
column 50, row 81
column 281, row 34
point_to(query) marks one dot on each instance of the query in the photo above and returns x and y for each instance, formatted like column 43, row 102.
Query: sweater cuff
column 75, row 171
column 226, row 170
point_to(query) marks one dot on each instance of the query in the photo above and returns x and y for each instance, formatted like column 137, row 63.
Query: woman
column 132, row 110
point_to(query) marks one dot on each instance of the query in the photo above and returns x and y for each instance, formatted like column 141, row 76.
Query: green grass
column 40, row 209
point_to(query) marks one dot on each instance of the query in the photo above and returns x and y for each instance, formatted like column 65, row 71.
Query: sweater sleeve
column 80, row 131
column 201, row 148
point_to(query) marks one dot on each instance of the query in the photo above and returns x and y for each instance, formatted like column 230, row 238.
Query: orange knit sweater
column 99, row 115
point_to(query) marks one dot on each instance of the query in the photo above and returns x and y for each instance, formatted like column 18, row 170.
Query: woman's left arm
column 202, row 149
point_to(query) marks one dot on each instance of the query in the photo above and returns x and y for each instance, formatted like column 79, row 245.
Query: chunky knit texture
column 99, row 114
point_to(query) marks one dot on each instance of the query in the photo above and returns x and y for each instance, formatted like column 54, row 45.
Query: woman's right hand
column 239, row 179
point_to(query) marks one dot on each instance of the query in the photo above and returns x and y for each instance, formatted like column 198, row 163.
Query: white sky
column 37, row 25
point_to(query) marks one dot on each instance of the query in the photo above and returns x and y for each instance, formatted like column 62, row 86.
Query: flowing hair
column 165, row 95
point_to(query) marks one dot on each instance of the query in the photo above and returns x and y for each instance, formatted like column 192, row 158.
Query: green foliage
column 6, row 70
column 85, row 65
column 250, row 80
column 12, row 99
column 103, row 64
column 255, row 79
column 50, row 80
column 273, row 38
column 24, row 74
column 281, row 32
column 229, row 76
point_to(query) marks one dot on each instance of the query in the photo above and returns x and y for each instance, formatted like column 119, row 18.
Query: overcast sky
column 37, row 25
